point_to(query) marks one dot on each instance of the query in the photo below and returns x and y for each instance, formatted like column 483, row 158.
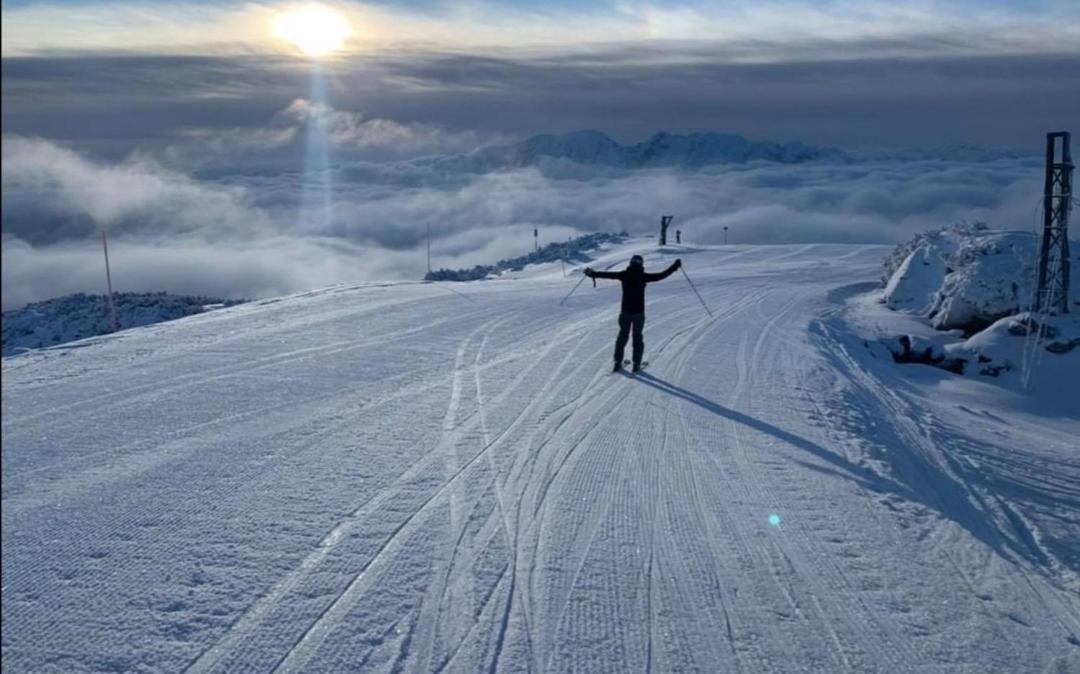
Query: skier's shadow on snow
column 955, row 506
column 858, row 473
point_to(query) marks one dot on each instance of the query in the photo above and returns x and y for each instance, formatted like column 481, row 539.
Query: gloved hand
column 678, row 263
column 589, row 272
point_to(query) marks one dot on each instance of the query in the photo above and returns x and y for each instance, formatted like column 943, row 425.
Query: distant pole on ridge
column 536, row 239
column 108, row 283
column 665, row 220
column 1053, row 290
column 725, row 235
column 429, row 248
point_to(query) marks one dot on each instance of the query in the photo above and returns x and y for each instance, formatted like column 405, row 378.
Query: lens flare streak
column 316, row 198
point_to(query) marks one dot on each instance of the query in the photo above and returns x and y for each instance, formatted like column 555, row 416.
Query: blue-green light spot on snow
column 774, row 520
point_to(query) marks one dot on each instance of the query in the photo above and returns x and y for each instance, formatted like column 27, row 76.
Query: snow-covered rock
column 967, row 276
column 944, row 242
column 914, row 285
column 916, row 349
column 977, row 284
column 992, row 277
column 72, row 317
column 1017, row 341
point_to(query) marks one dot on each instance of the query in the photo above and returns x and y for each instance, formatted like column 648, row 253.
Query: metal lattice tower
column 1053, row 290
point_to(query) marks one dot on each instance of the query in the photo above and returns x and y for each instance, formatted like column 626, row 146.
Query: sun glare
column 316, row 30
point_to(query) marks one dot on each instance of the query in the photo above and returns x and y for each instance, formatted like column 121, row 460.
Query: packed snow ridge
column 72, row 317
column 977, row 284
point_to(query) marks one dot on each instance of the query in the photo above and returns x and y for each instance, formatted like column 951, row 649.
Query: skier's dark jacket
column 633, row 280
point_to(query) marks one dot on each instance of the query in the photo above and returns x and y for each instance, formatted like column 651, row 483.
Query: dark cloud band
column 114, row 103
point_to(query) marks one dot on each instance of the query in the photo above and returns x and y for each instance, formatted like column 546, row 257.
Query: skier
column 632, row 312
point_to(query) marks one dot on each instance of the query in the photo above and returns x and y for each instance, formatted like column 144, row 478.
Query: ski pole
column 692, row 287
column 573, row 289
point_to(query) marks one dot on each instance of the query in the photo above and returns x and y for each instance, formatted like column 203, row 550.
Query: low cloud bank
column 283, row 138
column 244, row 236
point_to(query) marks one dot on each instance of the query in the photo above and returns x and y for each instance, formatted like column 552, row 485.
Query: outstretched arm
column 603, row 274
column 650, row 278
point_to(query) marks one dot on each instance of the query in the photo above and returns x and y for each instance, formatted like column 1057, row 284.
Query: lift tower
column 1053, row 291
column 665, row 220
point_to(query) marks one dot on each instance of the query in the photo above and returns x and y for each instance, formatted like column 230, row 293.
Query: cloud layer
column 244, row 236
column 869, row 99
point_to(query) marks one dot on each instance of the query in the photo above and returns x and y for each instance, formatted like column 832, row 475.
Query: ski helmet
column 637, row 261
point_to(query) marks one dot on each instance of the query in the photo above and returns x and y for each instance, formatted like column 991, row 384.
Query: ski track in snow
column 394, row 478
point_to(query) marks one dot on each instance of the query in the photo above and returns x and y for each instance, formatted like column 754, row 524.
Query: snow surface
column 405, row 477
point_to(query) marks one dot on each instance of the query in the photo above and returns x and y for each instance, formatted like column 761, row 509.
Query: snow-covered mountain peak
column 663, row 149
column 583, row 147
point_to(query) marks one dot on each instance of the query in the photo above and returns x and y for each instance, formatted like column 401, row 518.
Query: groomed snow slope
column 397, row 477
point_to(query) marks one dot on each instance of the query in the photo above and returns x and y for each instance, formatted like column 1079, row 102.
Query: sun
column 316, row 30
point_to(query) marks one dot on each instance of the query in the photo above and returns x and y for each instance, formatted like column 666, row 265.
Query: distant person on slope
column 632, row 314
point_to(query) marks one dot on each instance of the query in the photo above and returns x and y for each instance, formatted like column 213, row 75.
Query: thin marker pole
column 108, row 282
column 695, row 291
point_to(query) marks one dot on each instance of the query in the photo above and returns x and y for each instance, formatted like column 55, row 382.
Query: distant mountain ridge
column 663, row 149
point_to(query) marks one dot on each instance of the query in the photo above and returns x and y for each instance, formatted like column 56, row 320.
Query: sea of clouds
column 183, row 220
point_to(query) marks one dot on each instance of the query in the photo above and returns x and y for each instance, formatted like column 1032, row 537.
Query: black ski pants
column 630, row 323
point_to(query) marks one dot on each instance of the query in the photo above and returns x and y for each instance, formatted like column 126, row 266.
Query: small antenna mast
column 108, row 282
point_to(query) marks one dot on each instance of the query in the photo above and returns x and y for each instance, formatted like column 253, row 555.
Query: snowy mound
column 594, row 148
column 913, row 287
column 975, row 282
column 965, row 277
column 992, row 277
column 72, row 317
column 998, row 346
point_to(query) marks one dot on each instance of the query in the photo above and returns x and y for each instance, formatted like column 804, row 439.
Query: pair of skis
column 625, row 368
